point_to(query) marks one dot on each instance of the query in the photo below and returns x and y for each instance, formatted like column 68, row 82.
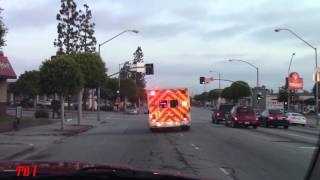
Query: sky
column 184, row 39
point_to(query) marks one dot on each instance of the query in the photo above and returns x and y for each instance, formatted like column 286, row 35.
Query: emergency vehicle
column 169, row 108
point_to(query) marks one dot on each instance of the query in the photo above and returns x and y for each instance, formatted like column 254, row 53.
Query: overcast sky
column 183, row 38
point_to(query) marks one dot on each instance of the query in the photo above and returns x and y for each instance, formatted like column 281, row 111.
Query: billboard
column 294, row 81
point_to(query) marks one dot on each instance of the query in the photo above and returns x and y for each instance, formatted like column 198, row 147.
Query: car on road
column 296, row 119
column 220, row 114
column 132, row 110
column 275, row 118
column 242, row 116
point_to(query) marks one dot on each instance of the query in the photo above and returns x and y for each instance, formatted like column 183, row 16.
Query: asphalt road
column 207, row 150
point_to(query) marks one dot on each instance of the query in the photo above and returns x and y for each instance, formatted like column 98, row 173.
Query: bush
column 41, row 113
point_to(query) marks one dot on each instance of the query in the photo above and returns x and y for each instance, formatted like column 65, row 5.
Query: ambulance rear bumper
column 166, row 125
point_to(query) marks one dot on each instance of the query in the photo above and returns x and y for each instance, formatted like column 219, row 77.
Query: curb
column 23, row 152
column 74, row 132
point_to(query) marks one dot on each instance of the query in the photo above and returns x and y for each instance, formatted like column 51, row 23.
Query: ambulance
column 169, row 108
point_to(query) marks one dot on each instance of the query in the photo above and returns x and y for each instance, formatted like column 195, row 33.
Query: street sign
column 139, row 67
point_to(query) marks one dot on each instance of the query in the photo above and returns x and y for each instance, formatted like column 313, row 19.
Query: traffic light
column 149, row 69
column 259, row 97
column 202, row 80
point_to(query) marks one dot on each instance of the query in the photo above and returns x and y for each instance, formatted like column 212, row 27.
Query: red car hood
column 62, row 167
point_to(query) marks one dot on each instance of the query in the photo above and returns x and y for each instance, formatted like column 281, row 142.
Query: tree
column 283, row 95
column 214, row 94
column 87, row 40
column 310, row 101
column 93, row 69
column 240, row 89
column 3, row 31
column 61, row 76
column 203, row 97
column 28, row 85
column 226, row 93
column 67, row 28
column 109, row 89
column 128, row 88
column 137, row 76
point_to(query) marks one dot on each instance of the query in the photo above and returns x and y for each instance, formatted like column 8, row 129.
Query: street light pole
column 257, row 68
column 316, row 66
column 99, row 46
column 288, row 86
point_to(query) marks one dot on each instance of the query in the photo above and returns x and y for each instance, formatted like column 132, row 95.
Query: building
column 6, row 72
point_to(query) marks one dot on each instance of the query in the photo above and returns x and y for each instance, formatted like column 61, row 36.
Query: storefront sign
column 294, row 81
column 6, row 71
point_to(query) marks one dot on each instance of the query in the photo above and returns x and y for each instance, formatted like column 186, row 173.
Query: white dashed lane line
column 308, row 147
column 195, row 147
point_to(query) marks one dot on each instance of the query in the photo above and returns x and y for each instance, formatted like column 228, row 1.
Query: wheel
column 233, row 125
column 216, row 121
column 213, row 120
column 285, row 127
column 303, row 125
column 255, row 126
column 266, row 124
column 226, row 124
column 185, row 128
column 152, row 129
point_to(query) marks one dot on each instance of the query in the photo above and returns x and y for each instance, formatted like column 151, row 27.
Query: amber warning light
column 152, row 93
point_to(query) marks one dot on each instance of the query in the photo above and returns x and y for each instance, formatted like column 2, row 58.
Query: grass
column 6, row 118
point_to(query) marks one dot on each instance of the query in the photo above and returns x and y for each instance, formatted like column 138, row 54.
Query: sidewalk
column 311, row 122
column 37, row 138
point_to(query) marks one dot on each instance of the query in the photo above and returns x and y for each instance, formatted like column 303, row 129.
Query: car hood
column 67, row 167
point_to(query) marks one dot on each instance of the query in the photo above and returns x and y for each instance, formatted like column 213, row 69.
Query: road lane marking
column 290, row 134
column 226, row 173
column 196, row 147
column 308, row 147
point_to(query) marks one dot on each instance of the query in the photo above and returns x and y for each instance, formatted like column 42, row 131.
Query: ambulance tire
column 185, row 128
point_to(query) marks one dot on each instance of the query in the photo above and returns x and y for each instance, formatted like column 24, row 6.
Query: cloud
column 34, row 17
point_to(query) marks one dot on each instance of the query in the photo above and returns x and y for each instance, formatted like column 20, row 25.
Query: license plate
column 246, row 122
column 280, row 119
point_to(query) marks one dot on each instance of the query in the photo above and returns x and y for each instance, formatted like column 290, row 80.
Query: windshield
column 226, row 108
column 185, row 87
column 275, row 111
